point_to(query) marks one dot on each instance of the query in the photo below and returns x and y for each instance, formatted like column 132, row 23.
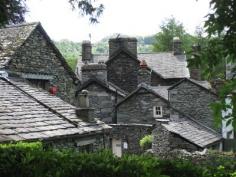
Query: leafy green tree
column 12, row 11
column 171, row 28
column 221, row 48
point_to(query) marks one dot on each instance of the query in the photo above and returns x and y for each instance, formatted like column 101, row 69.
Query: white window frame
column 155, row 112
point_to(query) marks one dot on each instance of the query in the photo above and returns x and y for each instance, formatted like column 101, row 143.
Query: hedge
column 32, row 160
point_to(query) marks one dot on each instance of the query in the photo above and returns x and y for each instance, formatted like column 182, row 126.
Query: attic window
column 157, row 111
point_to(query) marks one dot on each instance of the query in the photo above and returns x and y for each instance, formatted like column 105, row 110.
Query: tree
column 171, row 28
column 221, row 48
column 12, row 11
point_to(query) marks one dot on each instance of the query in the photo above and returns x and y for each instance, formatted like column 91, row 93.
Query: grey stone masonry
column 194, row 101
column 94, row 71
column 139, row 108
column 123, row 71
column 87, row 52
column 37, row 56
column 144, row 75
column 131, row 134
column 164, row 141
column 123, row 42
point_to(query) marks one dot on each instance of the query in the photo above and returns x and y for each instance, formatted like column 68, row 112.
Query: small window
column 157, row 111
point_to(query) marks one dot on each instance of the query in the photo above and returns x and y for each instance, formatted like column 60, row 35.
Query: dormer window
column 157, row 111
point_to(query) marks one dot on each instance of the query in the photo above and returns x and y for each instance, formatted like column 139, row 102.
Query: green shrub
column 146, row 142
column 32, row 160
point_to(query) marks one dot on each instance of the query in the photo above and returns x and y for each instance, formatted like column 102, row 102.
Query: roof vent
column 3, row 74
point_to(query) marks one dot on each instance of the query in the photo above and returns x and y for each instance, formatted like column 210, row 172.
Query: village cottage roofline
column 28, row 114
column 14, row 36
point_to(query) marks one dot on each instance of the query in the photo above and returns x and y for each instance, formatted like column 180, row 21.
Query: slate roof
column 159, row 91
column 164, row 64
column 202, row 84
column 193, row 132
column 11, row 38
column 108, row 86
column 14, row 36
column 27, row 113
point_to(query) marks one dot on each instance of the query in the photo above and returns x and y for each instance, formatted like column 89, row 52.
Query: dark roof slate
column 11, row 38
column 108, row 86
column 27, row 113
column 164, row 64
column 193, row 132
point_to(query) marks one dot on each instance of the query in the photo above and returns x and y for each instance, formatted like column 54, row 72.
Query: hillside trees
column 12, row 11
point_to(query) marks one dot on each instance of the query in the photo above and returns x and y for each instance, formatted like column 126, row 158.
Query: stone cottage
column 36, row 85
column 31, row 114
column 153, row 106
column 148, row 80
column 123, row 63
column 26, row 51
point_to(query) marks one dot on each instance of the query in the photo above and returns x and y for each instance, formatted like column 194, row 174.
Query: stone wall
column 127, row 43
column 194, row 101
column 103, row 101
column 164, row 142
column 139, row 108
column 123, row 71
column 131, row 134
column 36, row 56
column 95, row 142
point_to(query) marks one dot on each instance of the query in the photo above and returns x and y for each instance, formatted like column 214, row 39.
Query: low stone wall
column 131, row 134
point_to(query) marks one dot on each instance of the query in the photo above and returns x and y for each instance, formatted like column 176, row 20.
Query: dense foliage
column 12, row 11
column 146, row 142
column 32, row 160
column 219, row 51
column 169, row 29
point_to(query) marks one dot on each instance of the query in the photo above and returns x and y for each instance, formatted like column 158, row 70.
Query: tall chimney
column 84, row 112
column 177, row 46
column 94, row 71
column 144, row 75
column 195, row 73
column 87, row 52
column 128, row 43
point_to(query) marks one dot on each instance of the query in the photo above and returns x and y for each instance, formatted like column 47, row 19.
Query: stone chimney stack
column 87, row 52
column 94, row 71
column 128, row 43
column 144, row 75
column 84, row 112
column 195, row 73
column 177, row 46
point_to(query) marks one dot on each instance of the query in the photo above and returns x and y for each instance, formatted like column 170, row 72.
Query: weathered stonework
column 139, row 108
column 128, row 43
column 164, row 141
column 103, row 101
column 123, row 71
column 194, row 101
column 131, row 134
column 96, row 142
column 37, row 56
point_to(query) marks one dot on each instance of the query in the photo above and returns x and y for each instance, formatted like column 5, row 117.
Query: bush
column 32, row 160
column 146, row 142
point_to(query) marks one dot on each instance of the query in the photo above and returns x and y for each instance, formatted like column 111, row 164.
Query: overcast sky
column 130, row 17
